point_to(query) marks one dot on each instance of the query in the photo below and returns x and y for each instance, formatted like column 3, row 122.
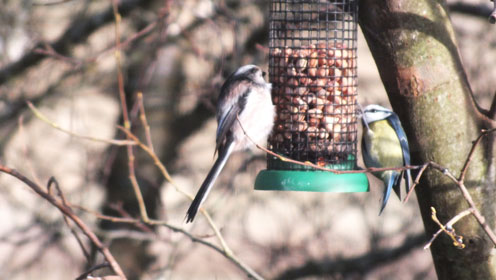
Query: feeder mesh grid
column 313, row 71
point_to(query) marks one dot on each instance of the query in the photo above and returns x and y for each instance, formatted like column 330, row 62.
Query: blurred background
column 59, row 55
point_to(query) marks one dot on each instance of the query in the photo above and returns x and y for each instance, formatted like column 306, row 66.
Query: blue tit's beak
column 366, row 124
column 359, row 111
column 361, row 114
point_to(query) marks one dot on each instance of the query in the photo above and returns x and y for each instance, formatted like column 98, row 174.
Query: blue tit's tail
column 391, row 182
column 396, row 178
column 408, row 179
column 209, row 181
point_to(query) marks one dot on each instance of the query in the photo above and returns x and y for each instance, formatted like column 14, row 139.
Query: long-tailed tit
column 244, row 98
column 384, row 144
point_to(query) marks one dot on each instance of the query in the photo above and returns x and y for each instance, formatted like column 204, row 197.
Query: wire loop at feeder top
column 312, row 68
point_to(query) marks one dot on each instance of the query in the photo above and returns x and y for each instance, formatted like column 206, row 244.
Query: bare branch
column 231, row 257
column 416, row 182
column 43, row 118
column 125, row 114
column 448, row 228
column 478, row 10
column 54, row 182
column 461, row 185
column 50, row 3
column 318, row 167
column 167, row 176
column 144, row 122
column 444, row 170
column 91, row 270
column 492, row 110
column 76, row 33
column 67, row 211
column 471, row 153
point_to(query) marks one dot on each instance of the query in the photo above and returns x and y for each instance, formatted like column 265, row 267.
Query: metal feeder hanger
column 313, row 71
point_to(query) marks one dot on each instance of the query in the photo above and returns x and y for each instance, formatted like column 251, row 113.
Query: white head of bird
column 374, row 112
column 252, row 72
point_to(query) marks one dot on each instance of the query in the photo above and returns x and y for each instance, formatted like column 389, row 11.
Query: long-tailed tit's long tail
column 214, row 172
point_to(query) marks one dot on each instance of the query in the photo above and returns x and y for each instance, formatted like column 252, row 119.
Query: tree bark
column 415, row 50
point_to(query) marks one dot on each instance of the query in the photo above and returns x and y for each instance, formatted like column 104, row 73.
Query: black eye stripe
column 377, row 111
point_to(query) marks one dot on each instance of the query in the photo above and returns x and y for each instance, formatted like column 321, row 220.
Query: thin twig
column 250, row 272
column 43, row 118
column 318, row 167
column 48, row 50
column 461, row 185
column 478, row 216
column 25, row 150
column 448, row 228
column 54, row 182
column 449, row 224
column 109, row 218
column 91, row 270
column 118, row 207
column 444, row 170
column 50, row 3
column 141, row 33
column 416, row 182
column 67, row 211
column 155, row 158
column 492, row 110
column 125, row 114
column 227, row 253
column 472, row 152
column 150, row 151
column 167, row 176
column 144, row 121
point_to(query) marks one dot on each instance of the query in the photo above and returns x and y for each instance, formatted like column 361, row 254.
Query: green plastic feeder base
column 311, row 181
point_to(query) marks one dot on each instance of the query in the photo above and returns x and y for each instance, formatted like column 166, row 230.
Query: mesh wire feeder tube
column 313, row 71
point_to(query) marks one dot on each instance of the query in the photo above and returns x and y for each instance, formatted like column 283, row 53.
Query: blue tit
column 244, row 96
column 384, row 144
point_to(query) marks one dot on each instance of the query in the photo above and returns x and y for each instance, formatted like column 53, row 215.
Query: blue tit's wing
column 230, row 105
column 366, row 154
column 396, row 124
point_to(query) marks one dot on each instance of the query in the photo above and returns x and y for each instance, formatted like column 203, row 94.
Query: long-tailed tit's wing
column 231, row 103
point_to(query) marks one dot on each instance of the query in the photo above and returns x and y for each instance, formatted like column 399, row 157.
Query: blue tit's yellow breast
column 384, row 145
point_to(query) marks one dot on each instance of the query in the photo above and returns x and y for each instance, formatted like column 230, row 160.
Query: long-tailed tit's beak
column 264, row 73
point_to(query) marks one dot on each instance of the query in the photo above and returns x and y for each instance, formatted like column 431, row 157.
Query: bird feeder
column 313, row 71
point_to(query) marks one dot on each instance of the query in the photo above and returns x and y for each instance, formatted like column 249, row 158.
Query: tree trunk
column 415, row 50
